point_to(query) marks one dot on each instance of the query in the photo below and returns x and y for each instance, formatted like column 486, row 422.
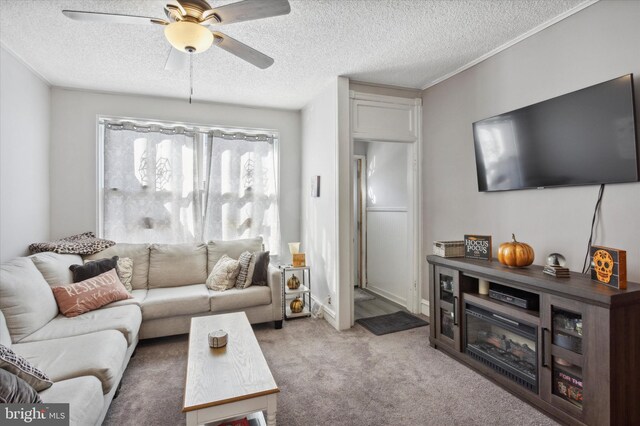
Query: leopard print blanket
column 84, row 244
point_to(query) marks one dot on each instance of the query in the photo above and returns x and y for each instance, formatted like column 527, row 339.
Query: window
column 170, row 183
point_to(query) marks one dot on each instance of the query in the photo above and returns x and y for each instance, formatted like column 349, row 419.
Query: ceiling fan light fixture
column 188, row 36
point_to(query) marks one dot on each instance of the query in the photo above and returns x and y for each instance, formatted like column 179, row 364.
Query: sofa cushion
column 139, row 253
column 54, row 267
column 137, row 296
column 26, row 299
column 239, row 298
column 125, row 319
column 14, row 390
column 173, row 265
column 172, row 301
column 88, row 295
column 84, row 396
column 14, row 363
column 100, row 354
column 93, row 268
column 232, row 248
column 5, row 337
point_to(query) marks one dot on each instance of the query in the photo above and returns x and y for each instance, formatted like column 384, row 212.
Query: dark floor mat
column 390, row 323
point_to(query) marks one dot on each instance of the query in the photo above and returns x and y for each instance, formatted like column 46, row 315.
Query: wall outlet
column 329, row 300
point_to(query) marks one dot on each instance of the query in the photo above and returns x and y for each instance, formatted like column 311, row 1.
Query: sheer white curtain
column 241, row 192
column 151, row 185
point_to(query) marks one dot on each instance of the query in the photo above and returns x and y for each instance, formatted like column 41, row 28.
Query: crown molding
column 510, row 43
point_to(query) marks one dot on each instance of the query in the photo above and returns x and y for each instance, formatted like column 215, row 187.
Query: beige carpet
column 331, row 378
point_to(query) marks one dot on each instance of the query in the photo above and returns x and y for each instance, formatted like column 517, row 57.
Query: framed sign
column 477, row 247
column 609, row 266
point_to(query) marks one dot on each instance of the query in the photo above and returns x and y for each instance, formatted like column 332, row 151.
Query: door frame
column 414, row 297
column 363, row 211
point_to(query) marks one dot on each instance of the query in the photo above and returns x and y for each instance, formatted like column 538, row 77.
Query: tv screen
column 581, row 138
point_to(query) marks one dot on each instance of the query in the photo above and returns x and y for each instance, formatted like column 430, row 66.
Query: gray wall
column 74, row 143
column 598, row 43
column 24, row 157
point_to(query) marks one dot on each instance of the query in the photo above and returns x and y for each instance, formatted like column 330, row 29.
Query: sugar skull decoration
column 603, row 264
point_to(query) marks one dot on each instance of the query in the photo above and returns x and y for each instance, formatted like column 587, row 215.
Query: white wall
column 598, row 43
column 24, row 157
column 73, row 154
column 319, row 153
column 325, row 219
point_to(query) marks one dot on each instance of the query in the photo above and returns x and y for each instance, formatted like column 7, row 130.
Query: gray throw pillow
column 16, row 364
column 14, row 390
column 93, row 268
column 124, row 268
column 261, row 269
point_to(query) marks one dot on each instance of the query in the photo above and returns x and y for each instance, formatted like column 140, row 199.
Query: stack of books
column 556, row 271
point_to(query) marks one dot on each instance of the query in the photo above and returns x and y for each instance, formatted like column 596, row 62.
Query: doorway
column 383, row 222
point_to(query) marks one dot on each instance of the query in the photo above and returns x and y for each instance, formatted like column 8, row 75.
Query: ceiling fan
column 191, row 27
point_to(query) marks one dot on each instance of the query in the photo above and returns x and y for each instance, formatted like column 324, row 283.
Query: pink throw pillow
column 91, row 294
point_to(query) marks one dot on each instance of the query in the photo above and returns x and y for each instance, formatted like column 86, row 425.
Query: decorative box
column 448, row 248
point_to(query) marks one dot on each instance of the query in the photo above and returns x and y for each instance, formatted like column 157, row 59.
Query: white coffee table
column 229, row 382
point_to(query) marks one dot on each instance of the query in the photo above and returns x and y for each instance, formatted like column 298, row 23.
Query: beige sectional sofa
column 86, row 355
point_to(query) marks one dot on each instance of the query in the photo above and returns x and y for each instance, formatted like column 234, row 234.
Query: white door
column 389, row 221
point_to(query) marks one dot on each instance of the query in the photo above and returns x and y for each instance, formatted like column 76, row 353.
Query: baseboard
column 386, row 295
column 327, row 313
column 424, row 307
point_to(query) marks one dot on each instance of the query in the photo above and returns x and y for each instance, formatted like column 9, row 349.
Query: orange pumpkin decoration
column 515, row 254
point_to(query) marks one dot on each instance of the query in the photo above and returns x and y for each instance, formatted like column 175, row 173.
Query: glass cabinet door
column 447, row 306
column 566, row 333
column 563, row 356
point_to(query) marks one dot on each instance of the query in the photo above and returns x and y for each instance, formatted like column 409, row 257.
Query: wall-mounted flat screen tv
column 581, row 138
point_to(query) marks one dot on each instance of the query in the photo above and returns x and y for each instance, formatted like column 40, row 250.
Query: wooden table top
column 233, row 373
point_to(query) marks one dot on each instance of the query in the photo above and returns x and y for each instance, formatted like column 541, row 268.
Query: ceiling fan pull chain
column 190, row 76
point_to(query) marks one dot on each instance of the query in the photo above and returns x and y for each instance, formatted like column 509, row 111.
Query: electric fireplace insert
column 504, row 344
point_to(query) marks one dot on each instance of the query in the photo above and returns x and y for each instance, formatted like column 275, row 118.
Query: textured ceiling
column 408, row 43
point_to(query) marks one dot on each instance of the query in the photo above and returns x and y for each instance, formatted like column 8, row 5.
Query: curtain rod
column 180, row 129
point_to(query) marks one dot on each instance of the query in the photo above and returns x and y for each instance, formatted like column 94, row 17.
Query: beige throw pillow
column 252, row 267
column 245, row 262
column 125, row 272
column 224, row 274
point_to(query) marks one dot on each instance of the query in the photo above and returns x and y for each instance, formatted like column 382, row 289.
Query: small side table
column 303, row 292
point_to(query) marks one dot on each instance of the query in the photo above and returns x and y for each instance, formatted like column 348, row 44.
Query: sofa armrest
column 274, row 280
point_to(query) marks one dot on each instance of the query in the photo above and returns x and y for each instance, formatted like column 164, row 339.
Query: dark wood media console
column 572, row 349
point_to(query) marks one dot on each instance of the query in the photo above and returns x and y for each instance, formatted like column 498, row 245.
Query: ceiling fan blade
column 173, row 12
column 242, row 51
column 112, row 18
column 176, row 60
column 251, row 9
